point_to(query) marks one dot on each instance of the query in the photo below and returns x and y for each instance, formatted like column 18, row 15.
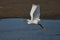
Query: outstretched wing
column 33, row 9
column 36, row 14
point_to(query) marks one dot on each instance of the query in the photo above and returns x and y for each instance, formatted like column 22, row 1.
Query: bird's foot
column 43, row 29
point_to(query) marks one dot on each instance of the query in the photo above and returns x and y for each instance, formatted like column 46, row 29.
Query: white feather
column 35, row 14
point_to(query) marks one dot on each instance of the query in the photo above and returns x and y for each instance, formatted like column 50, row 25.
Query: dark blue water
column 18, row 29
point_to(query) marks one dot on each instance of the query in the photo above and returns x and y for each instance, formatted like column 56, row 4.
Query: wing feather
column 36, row 14
column 32, row 11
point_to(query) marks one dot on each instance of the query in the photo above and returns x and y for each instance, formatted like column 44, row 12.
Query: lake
column 18, row 29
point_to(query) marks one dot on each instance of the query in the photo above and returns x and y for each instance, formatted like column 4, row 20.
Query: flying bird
column 35, row 15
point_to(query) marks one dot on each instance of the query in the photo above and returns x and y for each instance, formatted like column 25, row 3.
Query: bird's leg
column 43, row 28
column 41, row 25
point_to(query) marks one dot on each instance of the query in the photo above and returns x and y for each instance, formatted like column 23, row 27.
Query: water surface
column 18, row 29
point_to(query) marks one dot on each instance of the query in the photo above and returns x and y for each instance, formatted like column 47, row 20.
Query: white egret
column 35, row 15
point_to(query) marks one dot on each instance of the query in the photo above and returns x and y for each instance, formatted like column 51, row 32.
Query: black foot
column 42, row 28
